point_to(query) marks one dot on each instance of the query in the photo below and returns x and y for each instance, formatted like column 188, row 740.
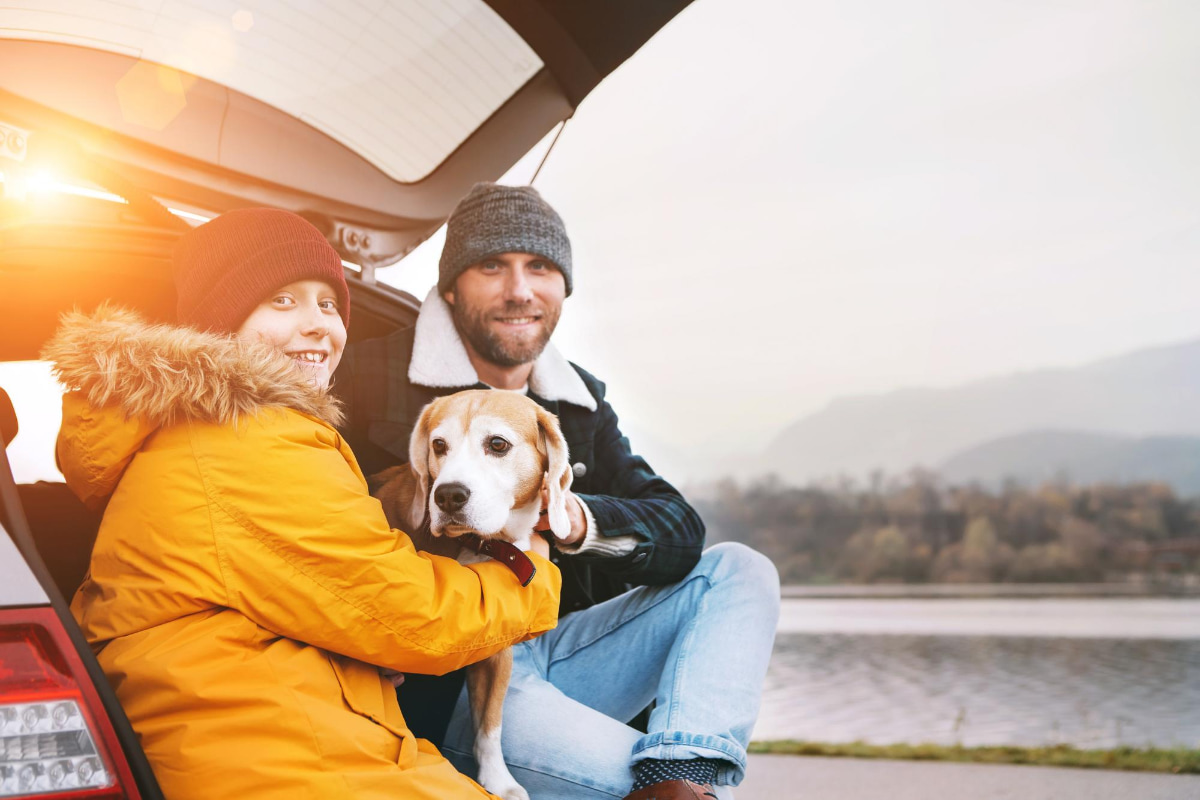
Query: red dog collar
column 506, row 553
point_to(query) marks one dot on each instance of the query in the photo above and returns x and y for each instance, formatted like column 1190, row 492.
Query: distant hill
column 1083, row 458
column 1147, row 393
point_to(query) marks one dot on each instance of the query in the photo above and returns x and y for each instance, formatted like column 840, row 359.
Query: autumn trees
column 915, row 530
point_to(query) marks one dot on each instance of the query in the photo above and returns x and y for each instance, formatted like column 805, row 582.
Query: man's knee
column 735, row 562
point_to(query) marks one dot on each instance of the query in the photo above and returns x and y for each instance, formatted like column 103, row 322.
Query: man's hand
column 574, row 513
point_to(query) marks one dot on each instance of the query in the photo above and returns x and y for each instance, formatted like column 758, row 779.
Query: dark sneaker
column 674, row 790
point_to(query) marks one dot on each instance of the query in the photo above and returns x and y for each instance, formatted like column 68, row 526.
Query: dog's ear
column 558, row 472
column 418, row 462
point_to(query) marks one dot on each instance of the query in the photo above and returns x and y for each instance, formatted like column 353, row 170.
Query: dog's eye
column 498, row 445
column 439, row 447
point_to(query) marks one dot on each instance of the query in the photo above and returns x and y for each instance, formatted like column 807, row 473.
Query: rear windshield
column 401, row 83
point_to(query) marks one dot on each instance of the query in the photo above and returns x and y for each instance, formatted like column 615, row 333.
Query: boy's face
column 507, row 306
column 302, row 320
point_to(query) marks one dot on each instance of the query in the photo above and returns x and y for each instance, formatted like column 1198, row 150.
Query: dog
column 479, row 462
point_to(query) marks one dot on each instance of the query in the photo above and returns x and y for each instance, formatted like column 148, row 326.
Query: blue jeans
column 698, row 649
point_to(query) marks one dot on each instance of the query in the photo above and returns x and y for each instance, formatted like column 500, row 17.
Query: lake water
column 1085, row 672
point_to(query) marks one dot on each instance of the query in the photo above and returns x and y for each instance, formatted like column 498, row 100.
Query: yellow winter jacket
column 244, row 588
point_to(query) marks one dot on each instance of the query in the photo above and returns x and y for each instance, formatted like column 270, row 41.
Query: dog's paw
column 495, row 777
column 504, row 786
column 514, row 792
column 493, row 772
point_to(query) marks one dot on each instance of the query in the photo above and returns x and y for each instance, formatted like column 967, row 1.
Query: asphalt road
column 816, row 778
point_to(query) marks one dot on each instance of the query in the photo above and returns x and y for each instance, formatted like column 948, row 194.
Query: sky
column 776, row 203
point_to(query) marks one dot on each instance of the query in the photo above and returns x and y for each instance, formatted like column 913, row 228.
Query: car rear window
column 401, row 83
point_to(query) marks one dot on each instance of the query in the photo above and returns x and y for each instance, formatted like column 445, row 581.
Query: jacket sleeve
column 629, row 498
column 307, row 553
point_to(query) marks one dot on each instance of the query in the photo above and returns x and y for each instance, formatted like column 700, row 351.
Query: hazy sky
column 777, row 203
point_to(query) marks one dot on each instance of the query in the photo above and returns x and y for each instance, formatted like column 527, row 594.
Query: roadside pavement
column 820, row 778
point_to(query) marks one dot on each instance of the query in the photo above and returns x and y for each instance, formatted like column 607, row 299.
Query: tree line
column 914, row 530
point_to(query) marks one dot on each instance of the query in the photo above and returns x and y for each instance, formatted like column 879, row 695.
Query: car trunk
column 375, row 123
column 369, row 123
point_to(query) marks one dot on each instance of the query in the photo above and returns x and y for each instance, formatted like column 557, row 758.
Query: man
column 694, row 637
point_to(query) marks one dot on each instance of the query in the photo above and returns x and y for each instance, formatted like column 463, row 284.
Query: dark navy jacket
column 623, row 493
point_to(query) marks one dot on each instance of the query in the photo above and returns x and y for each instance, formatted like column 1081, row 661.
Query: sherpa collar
column 440, row 361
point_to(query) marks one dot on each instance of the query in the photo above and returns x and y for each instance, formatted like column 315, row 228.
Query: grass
column 1177, row 761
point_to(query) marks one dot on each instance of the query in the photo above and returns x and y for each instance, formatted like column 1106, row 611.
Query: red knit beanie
column 226, row 267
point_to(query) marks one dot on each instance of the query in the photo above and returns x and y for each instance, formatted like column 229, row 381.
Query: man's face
column 506, row 307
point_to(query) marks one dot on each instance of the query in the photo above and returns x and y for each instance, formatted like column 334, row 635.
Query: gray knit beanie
column 494, row 219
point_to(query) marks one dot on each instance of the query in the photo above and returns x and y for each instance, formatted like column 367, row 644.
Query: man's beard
column 473, row 326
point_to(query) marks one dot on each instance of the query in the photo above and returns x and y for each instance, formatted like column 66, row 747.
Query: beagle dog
column 472, row 490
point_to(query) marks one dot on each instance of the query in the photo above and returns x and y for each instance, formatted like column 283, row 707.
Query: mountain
column 1145, row 393
column 1080, row 457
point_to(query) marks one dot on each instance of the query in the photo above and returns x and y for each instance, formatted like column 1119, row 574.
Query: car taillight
column 55, row 737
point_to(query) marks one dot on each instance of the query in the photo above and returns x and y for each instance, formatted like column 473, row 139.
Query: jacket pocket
column 369, row 695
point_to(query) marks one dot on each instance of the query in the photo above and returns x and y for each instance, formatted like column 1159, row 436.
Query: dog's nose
column 450, row 497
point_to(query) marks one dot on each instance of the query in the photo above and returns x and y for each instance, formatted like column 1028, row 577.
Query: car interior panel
column 64, row 530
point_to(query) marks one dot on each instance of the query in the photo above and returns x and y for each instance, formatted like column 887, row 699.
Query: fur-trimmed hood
column 162, row 373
